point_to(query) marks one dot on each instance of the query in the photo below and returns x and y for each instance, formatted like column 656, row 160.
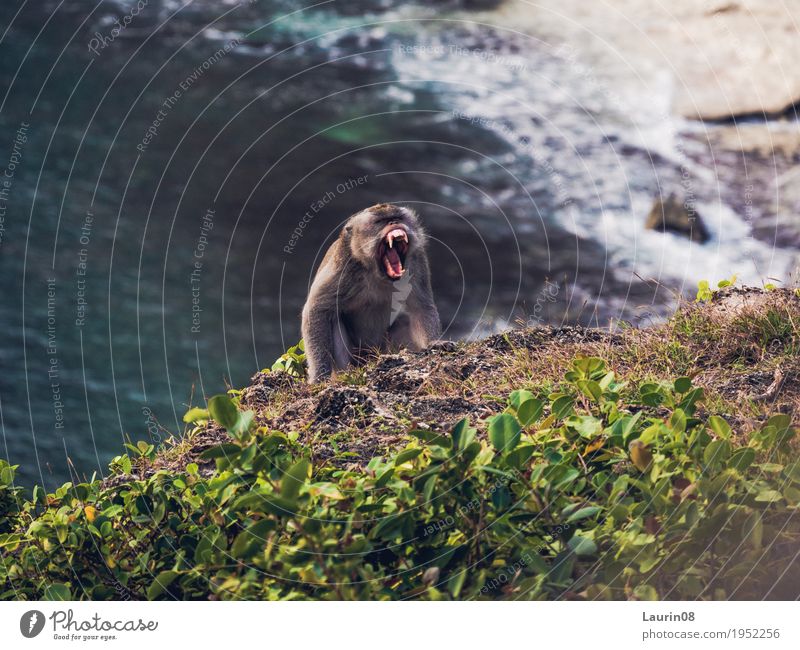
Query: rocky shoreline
column 734, row 87
column 729, row 58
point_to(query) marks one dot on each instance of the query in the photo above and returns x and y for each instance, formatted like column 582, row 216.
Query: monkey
column 371, row 293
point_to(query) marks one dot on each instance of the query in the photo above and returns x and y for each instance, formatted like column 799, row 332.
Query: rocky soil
column 742, row 347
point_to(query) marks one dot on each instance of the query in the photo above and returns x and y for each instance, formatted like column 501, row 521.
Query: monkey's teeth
column 397, row 233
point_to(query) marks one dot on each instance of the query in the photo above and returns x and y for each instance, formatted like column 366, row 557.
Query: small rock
column 393, row 374
column 443, row 346
column 675, row 216
column 264, row 385
column 431, row 576
column 444, row 411
column 345, row 405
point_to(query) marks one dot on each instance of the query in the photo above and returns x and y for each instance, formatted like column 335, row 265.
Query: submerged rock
column 672, row 215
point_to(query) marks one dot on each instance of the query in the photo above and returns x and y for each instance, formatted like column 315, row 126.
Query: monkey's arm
column 419, row 326
column 425, row 320
column 318, row 326
column 427, row 316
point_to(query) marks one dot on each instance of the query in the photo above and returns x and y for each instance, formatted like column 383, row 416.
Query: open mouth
column 392, row 253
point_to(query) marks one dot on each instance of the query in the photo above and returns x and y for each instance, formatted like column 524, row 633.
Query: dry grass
column 741, row 347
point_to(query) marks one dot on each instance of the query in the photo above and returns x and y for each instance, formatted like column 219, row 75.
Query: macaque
column 372, row 292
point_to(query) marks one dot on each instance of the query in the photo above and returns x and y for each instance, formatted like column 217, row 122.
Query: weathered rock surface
column 672, row 215
column 779, row 139
column 727, row 57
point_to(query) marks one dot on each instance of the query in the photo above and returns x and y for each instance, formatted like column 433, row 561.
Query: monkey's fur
column 372, row 292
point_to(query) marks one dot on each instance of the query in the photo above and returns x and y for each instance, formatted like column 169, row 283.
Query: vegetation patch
column 502, row 469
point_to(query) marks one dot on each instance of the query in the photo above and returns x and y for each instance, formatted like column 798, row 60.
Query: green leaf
column 583, row 513
column 504, row 432
column 427, row 490
column 587, row 426
column 530, row 411
column 590, row 388
column 682, row 385
column 463, row 434
column 279, row 505
column 690, row 399
column 294, row 478
column 517, row 397
column 703, row 291
column 6, row 475
column 652, row 399
column 678, row 421
column 223, row 410
column 160, row 584
column 561, row 570
column 388, row 527
column 501, row 498
column 717, row 451
column 326, row 490
column 195, row 414
column 719, row 426
column 582, row 546
column 243, row 424
column 261, row 502
column 432, row 438
column 10, row 541
column 225, row 450
column 406, row 455
column 57, row 591
column 552, row 455
column 768, row 496
column 792, row 470
column 519, row 456
column 252, row 538
column 742, row 458
column 625, row 425
column 753, row 530
column 384, row 478
column 562, row 406
column 589, row 367
column 645, row 592
column 456, row 582
column 781, row 421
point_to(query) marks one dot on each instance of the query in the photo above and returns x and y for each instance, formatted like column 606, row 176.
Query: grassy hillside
column 543, row 463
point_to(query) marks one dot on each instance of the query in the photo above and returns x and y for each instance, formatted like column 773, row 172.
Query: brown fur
column 354, row 308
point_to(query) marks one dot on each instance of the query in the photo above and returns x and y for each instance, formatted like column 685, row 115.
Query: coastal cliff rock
column 727, row 58
column 672, row 215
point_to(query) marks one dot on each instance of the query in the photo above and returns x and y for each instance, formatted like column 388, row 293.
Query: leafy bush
column 706, row 293
column 9, row 497
column 572, row 494
column 293, row 360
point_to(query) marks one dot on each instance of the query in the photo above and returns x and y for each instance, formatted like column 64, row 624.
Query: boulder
column 671, row 214
column 727, row 58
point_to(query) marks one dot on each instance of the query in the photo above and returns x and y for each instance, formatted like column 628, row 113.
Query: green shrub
column 594, row 491
column 293, row 361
